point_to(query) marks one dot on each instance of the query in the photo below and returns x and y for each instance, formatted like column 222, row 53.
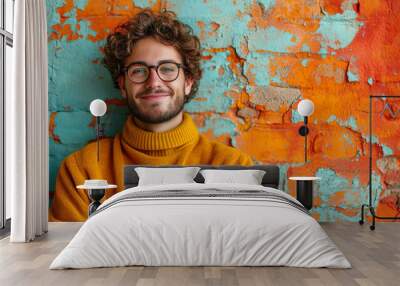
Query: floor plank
column 374, row 255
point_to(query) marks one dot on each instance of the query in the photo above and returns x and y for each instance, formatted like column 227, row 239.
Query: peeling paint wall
column 259, row 59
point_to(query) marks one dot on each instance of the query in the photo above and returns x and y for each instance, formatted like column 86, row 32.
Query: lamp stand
column 97, row 137
column 303, row 131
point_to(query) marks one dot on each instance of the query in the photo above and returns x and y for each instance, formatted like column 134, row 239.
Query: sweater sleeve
column 69, row 204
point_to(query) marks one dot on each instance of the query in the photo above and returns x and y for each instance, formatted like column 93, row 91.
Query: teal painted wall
column 260, row 59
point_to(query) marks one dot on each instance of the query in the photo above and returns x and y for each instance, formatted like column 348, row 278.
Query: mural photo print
column 258, row 59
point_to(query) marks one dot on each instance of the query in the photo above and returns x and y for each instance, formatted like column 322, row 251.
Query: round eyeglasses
column 139, row 72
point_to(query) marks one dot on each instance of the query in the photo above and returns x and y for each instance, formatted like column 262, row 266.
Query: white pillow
column 163, row 176
column 249, row 177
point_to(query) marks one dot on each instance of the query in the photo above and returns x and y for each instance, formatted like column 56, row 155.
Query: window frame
column 6, row 39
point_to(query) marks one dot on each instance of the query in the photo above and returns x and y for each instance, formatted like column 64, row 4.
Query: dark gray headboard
column 270, row 179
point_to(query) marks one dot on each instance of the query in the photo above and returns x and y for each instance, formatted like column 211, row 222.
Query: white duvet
column 183, row 231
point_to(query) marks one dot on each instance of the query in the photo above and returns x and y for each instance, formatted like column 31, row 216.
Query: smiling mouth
column 154, row 96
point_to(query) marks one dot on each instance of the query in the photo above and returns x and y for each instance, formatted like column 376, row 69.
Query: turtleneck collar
column 138, row 138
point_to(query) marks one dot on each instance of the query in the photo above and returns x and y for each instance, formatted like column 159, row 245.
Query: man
column 155, row 62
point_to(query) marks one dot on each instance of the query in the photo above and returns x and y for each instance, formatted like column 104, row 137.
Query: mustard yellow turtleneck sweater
column 181, row 146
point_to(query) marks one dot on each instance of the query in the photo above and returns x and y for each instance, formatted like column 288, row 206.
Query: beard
column 173, row 109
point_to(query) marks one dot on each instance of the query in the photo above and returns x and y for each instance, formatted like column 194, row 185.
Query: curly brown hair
column 164, row 27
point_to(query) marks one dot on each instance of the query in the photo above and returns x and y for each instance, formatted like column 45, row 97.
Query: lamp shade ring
column 303, row 130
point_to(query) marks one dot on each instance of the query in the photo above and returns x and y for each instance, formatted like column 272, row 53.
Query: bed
column 201, row 224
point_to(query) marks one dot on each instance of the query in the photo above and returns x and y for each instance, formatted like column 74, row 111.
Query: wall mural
column 259, row 59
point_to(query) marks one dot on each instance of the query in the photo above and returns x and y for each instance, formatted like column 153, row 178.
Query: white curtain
column 27, row 124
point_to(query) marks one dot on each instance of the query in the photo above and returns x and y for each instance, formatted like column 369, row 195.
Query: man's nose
column 153, row 79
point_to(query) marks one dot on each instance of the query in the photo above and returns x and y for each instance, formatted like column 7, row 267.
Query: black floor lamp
column 305, row 109
column 370, row 205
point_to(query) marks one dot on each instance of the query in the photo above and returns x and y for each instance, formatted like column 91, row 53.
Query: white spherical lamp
column 98, row 107
column 305, row 107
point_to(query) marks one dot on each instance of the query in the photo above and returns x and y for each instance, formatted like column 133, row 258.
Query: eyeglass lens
column 139, row 73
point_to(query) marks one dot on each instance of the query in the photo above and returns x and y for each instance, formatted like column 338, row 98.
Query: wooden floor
column 374, row 255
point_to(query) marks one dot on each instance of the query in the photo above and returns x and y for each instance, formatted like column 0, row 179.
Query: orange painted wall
column 260, row 59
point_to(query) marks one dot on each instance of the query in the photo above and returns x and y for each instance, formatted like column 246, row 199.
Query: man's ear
column 188, row 85
column 121, row 84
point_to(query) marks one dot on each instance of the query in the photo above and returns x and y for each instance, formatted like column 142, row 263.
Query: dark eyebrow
column 144, row 63
column 135, row 63
column 168, row 61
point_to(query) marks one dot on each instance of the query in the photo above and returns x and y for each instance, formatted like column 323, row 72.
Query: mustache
column 148, row 91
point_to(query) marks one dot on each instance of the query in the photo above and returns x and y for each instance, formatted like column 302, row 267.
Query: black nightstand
column 304, row 190
column 96, row 190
